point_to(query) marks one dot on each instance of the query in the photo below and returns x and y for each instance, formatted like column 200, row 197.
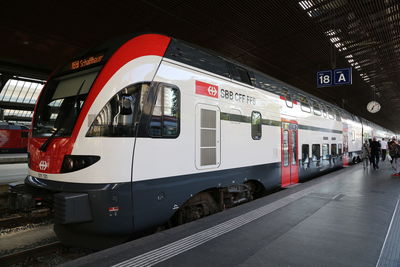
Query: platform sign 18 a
column 324, row 78
column 334, row 77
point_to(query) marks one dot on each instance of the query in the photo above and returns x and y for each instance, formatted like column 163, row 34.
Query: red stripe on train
column 143, row 45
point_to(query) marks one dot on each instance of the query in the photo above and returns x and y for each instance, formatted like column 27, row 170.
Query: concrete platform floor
column 10, row 173
column 345, row 218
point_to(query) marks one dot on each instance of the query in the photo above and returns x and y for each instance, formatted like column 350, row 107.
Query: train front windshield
column 61, row 102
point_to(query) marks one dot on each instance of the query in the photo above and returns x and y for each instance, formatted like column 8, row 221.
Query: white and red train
column 152, row 129
column 13, row 137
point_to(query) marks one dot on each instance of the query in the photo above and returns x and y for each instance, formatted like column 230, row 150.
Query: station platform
column 13, row 158
column 346, row 218
column 10, row 173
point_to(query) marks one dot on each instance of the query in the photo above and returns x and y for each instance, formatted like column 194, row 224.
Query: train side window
column 285, row 148
column 256, row 129
column 316, row 108
column 340, row 149
column 294, row 148
column 164, row 121
column 325, row 151
column 338, row 116
column 330, row 113
column 240, row 74
column 118, row 116
column 305, row 106
column 288, row 98
column 316, row 152
column 305, row 153
column 324, row 111
column 334, row 150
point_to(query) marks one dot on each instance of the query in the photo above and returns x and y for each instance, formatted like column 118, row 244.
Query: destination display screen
column 85, row 62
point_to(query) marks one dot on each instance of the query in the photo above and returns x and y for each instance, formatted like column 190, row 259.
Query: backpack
column 397, row 151
column 392, row 149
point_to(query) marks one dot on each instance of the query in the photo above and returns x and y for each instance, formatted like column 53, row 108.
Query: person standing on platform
column 370, row 157
column 394, row 152
column 365, row 154
column 375, row 150
column 391, row 149
column 384, row 146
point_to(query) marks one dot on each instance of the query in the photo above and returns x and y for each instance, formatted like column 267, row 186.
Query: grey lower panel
column 315, row 168
column 165, row 195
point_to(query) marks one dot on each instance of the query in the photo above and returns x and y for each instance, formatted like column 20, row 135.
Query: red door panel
column 289, row 153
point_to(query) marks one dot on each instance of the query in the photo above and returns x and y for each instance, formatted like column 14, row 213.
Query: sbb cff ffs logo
column 206, row 89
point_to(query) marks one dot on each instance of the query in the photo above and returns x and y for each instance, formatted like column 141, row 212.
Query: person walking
column 394, row 152
column 365, row 154
column 384, row 146
column 375, row 150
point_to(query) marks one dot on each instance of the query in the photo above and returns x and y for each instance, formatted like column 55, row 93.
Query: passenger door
column 289, row 153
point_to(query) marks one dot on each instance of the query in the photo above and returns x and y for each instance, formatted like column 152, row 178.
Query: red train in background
column 13, row 137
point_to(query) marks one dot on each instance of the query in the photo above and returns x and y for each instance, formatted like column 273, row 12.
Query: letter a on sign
column 342, row 76
column 206, row 89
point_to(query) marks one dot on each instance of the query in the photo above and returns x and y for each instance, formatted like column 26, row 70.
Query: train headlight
column 73, row 163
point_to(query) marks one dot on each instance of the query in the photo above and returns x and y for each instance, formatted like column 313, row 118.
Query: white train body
column 184, row 130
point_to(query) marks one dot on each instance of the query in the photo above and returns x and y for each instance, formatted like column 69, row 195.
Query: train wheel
column 256, row 189
column 201, row 205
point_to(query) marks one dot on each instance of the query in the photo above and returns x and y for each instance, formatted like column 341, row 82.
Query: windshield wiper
column 48, row 140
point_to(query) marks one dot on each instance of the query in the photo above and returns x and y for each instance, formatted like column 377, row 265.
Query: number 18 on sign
column 324, row 78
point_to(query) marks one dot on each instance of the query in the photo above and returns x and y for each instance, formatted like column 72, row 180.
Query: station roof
column 287, row 39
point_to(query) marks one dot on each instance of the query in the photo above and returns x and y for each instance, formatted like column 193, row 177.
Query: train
column 13, row 137
column 151, row 130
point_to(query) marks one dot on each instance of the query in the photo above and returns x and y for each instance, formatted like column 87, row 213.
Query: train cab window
column 316, row 152
column 118, row 116
column 316, row 108
column 256, row 125
column 164, row 121
column 334, row 150
column 61, row 103
column 340, row 151
column 305, row 153
column 325, row 151
column 305, row 106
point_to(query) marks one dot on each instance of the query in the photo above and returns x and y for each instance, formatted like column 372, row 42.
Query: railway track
column 29, row 257
column 22, row 218
column 50, row 254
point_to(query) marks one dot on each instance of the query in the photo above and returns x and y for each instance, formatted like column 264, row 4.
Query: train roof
column 211, row 61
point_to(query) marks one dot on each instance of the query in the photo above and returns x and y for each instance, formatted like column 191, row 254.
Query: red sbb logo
column 206, row 89
column 43, row 165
